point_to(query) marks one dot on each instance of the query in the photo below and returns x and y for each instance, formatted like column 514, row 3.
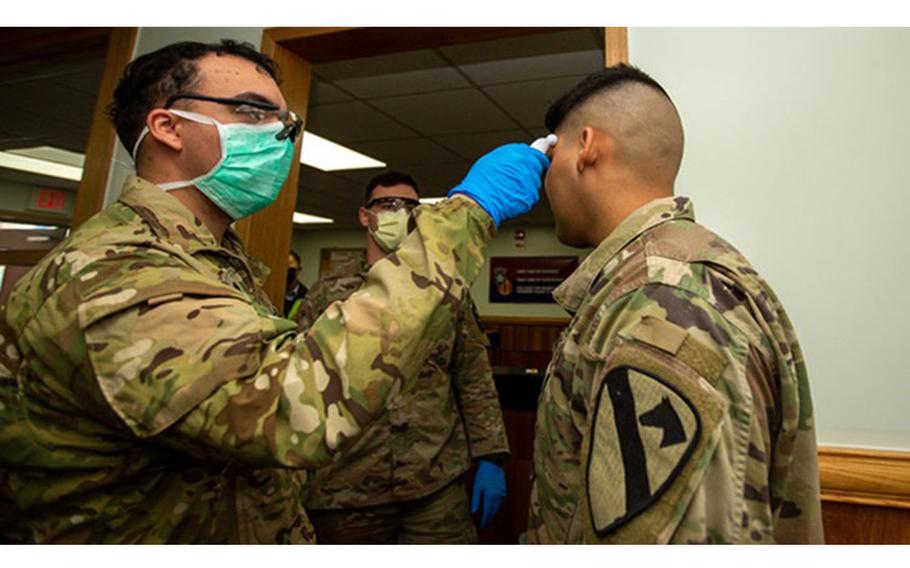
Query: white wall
column 797, row 152
column 539, row 241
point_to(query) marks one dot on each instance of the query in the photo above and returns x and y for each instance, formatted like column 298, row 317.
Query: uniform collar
column 170, row 220
column 166, row 215
column 572, row 291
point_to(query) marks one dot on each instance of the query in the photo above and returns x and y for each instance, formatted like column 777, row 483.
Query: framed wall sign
column 528, row 279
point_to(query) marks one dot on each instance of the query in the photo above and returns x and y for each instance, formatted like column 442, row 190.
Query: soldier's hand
column 490, row 489
column 506, row 181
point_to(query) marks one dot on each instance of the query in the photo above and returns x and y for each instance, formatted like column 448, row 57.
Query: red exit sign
column 49, row 200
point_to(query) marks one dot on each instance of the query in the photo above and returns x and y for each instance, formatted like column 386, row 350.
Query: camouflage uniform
column 426, row 440
column 148, row 388
column 676, row 407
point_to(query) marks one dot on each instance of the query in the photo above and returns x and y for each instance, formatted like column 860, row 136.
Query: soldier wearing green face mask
column 149, row 390
column 401, row 481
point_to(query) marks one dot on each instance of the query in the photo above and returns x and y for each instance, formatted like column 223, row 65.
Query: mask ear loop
column 203, row 119
column 194, row 116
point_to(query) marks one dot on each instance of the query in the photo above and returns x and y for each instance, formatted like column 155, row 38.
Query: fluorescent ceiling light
column 307, row 219
column 44, row 160
column 328, row 156
column 10, row 226
column 431, row 200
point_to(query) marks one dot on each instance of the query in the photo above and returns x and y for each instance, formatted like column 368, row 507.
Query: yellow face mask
column 391, row 229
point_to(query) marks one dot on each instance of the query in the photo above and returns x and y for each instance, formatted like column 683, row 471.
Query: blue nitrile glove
column 506, row 181
column 489, row 486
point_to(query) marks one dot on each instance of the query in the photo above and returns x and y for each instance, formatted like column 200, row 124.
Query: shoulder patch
column 654, row 420
column 644, row 433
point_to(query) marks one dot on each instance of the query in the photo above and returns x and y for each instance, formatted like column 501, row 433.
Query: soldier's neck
column 214, row 219
column 616, row 205
column 374, row 251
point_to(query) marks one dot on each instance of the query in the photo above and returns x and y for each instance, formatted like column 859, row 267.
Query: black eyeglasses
column 257, row 110
column 393, row 203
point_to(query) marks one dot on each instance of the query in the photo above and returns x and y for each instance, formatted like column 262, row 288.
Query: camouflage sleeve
column 204, row 373
column 472, row 377
column 313, row 304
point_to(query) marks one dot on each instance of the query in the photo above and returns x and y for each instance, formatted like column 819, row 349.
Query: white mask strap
column 194, row 116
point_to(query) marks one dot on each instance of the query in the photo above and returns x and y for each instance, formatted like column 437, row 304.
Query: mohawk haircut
column 596, row 83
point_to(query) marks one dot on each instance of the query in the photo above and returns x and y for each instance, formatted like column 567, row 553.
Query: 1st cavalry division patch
column 653, row 428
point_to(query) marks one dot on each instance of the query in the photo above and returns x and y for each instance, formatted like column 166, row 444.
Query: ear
column 164, row 128
column 364, row 217
column 587, row 153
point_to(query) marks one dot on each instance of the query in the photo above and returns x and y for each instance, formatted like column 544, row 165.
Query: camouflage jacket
column 148, row 389
column 676, row 407
column 429, row 435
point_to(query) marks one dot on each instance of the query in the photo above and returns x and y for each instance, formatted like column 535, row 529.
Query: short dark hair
column 387, row 179
column 595, row 83
column 295, row 255
column 154, row 77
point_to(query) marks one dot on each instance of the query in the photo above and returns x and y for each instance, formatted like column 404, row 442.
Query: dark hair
column 154, row 77
column 388, row 179
column 295, row 255
column 593, row 84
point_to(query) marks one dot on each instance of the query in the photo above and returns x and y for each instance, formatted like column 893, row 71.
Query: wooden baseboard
column 865, row 477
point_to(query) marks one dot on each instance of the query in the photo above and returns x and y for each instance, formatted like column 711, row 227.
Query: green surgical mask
column 391, row 229
column 252, row 168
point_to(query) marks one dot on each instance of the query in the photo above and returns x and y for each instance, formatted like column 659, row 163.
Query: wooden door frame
column 99, row 148
column 268, row 234
column 102, row 138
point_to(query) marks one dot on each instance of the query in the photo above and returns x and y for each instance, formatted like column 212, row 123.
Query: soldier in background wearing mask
column 401, row 481
column 149, row 391
column 295, row 291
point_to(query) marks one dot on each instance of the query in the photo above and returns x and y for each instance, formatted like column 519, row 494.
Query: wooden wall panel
column 847, row 523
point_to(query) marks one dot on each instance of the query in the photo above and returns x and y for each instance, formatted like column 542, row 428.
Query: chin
column 569, row 239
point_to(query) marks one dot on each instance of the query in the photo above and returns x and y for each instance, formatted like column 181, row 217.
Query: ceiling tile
column 74, row 140
column 475, row 145
column 442, row 175
column 380, row 65
column 353, row 121
column 528, row 102
column 49, row 101
column 326, row 181
column 85, row 79
column 322, row 92
column 535, row 67
column 360, row 177
column 404, row 83
column 447, row 112
column 580, row 39
column 399, row 154
column 26, row 125
column 343, row 212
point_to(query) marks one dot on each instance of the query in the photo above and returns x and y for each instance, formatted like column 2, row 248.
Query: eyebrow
column 251, row 96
